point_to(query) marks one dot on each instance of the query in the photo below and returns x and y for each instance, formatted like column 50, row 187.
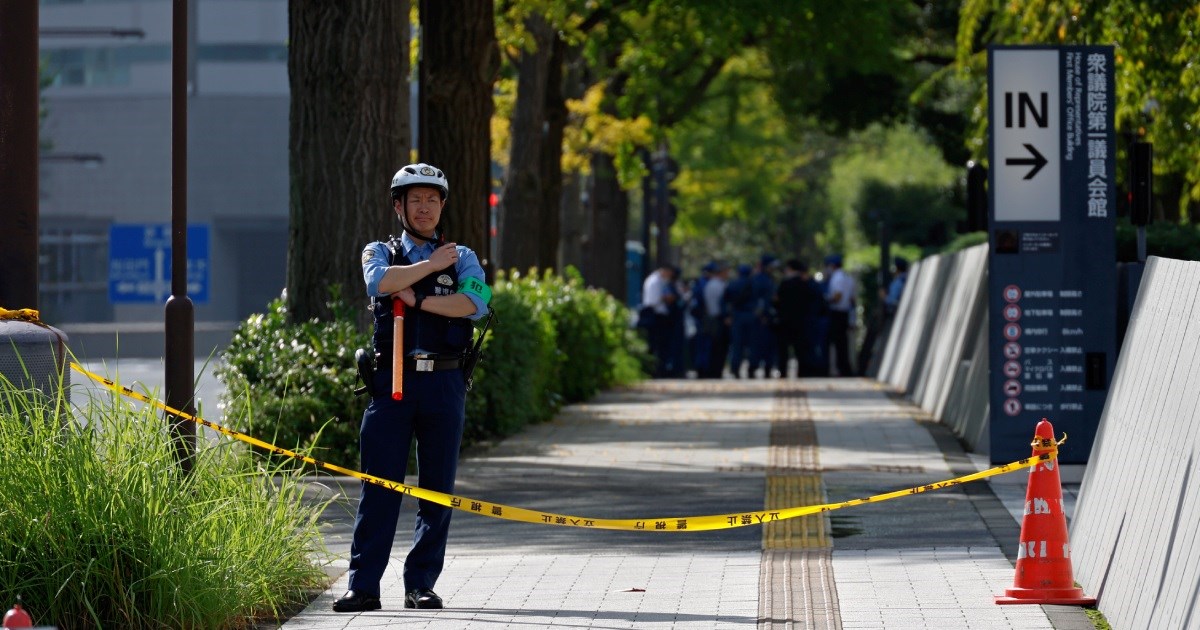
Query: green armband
column 471, row 286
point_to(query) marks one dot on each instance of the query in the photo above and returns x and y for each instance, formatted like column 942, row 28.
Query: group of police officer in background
column 751, row 320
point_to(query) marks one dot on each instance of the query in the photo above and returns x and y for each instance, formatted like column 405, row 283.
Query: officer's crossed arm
column 454, row 305
column 398, row 277
column 471, row 300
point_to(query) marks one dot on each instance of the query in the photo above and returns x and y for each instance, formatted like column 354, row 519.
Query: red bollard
column 17, row 617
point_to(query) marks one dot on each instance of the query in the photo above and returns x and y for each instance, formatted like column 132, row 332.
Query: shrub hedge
column 553, row 341
column 292, row 383
column 1169, row 240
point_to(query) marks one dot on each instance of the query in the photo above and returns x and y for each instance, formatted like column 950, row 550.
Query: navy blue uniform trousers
column 432, row 411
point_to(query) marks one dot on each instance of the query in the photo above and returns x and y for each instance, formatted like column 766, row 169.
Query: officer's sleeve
column 374, row 265
column 468, row 267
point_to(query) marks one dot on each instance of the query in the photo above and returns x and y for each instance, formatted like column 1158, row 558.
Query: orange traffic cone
column 1044, row 559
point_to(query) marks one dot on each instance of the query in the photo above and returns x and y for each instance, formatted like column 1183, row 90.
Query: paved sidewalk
column 669, row 448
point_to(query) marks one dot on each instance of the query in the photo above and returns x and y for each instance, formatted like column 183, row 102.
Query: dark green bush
column 514, row 384
column 593, row 329
column 583, row 361
column 553, row 341
column 290, row 383
column 1169, row 240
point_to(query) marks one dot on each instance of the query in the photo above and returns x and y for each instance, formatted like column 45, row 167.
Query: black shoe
column 356, row 602
column 422, row 598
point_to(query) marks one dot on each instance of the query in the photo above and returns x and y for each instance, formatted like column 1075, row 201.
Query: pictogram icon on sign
column 1012, row 312
column 1012, row 406
column 1012, row 350
column 1012, row 388
column 1012, row 332
column 1012, row 293
column 1012, row 369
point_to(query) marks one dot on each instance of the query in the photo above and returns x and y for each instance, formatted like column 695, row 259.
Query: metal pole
column 647, row 214
column 885, row 254
column 1142, row 187
column 662, row 253
column 977, row 210
column 179, row 352
column 19, row 154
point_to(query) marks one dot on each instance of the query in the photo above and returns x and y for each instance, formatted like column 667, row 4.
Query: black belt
column 432, row 363
column 429, row 363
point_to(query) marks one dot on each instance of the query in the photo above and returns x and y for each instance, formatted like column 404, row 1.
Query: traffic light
column 977, row 201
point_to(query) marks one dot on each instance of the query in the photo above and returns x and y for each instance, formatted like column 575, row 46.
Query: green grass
column 1097, row 619
column 100, row 529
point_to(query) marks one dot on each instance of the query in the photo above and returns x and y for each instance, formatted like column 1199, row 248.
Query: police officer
column 840, row 296
column 441, row 285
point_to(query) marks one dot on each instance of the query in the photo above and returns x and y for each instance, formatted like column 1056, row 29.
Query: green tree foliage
column 1157, row 77
column 895, row 175
column 840, row 62
column 757, row 144
column 744, row 171
column 696, row 72
column 942, row 99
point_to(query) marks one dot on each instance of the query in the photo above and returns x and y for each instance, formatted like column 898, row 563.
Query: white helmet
column 419, row 175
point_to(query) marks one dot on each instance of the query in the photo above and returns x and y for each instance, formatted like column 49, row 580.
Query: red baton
column 397, row 349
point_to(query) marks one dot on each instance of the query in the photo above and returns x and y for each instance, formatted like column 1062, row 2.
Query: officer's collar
column 409, row 243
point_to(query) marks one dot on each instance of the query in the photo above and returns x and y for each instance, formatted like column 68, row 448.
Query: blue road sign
column 139, row 263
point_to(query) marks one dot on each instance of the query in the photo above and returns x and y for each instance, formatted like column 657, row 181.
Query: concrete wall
column 1135, row 535
column 936, row 352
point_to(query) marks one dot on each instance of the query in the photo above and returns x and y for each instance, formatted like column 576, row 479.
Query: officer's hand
column 444, row 256
column 407, row 295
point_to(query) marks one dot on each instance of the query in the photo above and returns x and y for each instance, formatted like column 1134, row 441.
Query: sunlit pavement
column 685, row 447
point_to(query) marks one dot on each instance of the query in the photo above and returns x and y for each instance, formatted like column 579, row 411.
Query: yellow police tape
column 24, row 314
column 506, row 512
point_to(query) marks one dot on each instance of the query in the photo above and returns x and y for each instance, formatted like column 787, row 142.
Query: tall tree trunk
column 349, row 132
column 549, row 256
column 460, row 59
column 522, row 232
column 575, row 226
column 610, row 221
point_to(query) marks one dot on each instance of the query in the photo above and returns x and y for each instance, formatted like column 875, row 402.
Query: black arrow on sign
column 1037, row 161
